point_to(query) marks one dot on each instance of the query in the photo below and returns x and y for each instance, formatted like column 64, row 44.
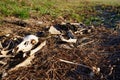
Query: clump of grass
column 21, row 13
column 13, row 8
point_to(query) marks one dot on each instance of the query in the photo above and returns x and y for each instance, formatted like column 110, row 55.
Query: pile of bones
column 29, row 45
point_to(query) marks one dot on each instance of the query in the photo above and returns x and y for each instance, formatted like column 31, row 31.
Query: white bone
column 69, row 40
column 26, row 44
column 77, row 24
column 30, row 58
column 53, row 30
column 1, row 62
column 1, row 56
column 38, row 48
column 69, row 62
column 65, row 61
column 4, row 52
column 1, row 45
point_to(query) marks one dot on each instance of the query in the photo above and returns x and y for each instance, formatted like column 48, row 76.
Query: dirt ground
column 97, row 49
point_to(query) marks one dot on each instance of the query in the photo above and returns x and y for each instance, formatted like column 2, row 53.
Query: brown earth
column 98, row 49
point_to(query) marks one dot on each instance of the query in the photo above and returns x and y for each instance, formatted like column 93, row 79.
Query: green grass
column 13, row 8
column 87, row 11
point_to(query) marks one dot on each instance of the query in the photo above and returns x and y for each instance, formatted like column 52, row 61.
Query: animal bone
column 87, row 67
column 53, row 30
column 27, row 44
column 1, row 56
column 83, row 44
column 69, row 40
column 5, row 50
column 38, row 48
column 30, row 58
column 1, row 45
column 77, row 24
column 65, row 61
column 1, row 62
column 70, row 34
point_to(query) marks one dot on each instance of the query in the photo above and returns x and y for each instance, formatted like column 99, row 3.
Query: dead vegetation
column 94, row 56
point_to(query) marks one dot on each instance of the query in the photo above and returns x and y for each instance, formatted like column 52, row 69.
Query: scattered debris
column 94, row 70
column 70, row 34
column 53, row 30
column 77, row 24
column 64, row 46
column 83, row 31
column 1, row 56
column 83, row 44
column 69, row 40
column 69, row 62
column 71, row 43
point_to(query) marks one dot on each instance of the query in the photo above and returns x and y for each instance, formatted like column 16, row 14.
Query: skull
column 27, row 44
